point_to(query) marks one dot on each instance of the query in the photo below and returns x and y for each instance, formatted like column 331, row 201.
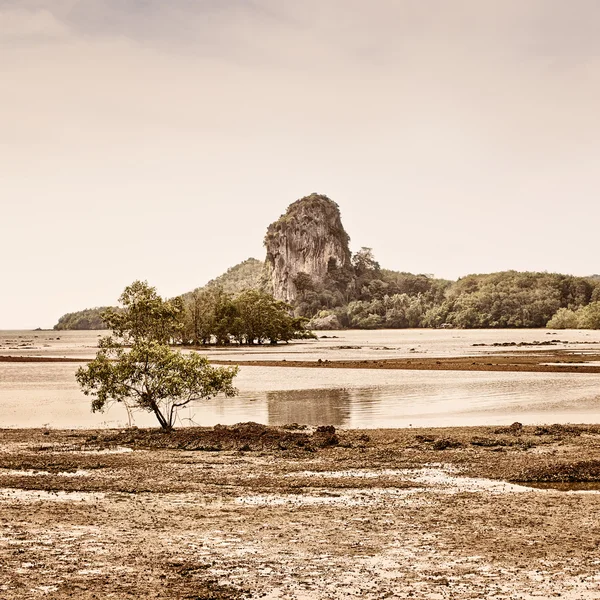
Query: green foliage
column 380, row 298
column 513, row 299
column 246, row 275
column 589, row 316
column 585, row 317
column 145, row 316
column 90, row 318
column 149, row 375
column 564, row 318
column 364, row 262
column 372, row 297
column 260, row 317
column 211, row 315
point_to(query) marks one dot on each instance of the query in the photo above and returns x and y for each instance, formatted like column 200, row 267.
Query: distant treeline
column 212, row 316
column 378, row 298
column 369, row 297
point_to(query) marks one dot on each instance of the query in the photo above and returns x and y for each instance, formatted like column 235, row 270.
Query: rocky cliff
column 304, row 245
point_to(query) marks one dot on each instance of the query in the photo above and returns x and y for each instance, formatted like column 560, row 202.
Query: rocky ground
column 257, row 512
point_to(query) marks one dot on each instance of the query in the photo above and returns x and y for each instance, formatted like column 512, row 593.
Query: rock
column 515, row 428
column 325, row 436
column 325, row 429
column 304, row 245
column 444, row 443
column 324, row 323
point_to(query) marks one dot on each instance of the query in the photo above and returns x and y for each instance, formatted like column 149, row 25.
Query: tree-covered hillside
column 244, row 276
column 379, row 298
column 369, row 297
column 89, row 318
column 309, row 266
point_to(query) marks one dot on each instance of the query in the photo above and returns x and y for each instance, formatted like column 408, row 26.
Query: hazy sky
column 144, row 139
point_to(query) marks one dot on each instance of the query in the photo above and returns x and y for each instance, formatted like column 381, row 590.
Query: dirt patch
column 244, row 437
column 563, row 471
column 427, row 513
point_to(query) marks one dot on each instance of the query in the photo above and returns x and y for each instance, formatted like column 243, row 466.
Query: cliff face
column 308, row 241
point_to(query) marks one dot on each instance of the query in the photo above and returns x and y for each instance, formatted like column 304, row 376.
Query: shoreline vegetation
column 383, row 299
column 310, row 271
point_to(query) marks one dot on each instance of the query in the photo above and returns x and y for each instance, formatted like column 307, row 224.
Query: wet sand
column 536, row 361
column 531, row 361
column 253, row 511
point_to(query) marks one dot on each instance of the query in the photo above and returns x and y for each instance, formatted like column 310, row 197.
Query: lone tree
column 137, row 366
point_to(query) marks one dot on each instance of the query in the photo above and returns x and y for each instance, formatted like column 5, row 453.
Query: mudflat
column 251, row 511
column 553, row 361
column 533, row 361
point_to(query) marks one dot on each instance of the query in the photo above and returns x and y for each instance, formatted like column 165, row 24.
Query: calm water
column 338, row 345
column 36, row 394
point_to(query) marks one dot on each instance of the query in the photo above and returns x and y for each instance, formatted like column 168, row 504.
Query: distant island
column 309, row 266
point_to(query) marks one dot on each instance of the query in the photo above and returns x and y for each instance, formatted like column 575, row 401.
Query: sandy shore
column 541, row 361
column 259, row 512
column 533, row 361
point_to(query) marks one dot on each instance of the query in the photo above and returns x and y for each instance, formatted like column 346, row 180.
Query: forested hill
column 380, row 298
column 244, row 276
column 309, row 265
column 90, row 318
column 386, row 299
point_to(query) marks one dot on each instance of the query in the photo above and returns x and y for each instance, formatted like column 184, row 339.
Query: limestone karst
column 304, row 245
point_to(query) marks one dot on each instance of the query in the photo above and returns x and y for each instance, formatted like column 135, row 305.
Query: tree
column 564, row 318
column 589, row 316
column 149, row 375
column 364, row 262
column 145, row 316
column 260, row 317
column 209, row 313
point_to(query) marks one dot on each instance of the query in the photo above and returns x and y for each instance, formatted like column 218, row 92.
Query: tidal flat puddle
column 433, row 479
column 44, row 496
column 35, row 473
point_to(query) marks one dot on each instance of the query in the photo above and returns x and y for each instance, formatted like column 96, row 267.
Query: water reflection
column 34, row 394
column 309, row 407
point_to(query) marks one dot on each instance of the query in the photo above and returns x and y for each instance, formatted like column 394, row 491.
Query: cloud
column 191, row 123
column 24, row 26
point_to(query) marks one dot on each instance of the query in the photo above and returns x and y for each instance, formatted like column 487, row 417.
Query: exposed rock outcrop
column 329, row 322
column 304, row 245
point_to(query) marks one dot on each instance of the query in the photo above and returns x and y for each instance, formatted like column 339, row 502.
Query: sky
column 143, row 139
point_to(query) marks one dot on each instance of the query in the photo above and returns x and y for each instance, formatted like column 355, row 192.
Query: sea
column 45, row 394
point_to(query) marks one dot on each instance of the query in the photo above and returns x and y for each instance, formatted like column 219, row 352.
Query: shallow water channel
column 38, row 394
